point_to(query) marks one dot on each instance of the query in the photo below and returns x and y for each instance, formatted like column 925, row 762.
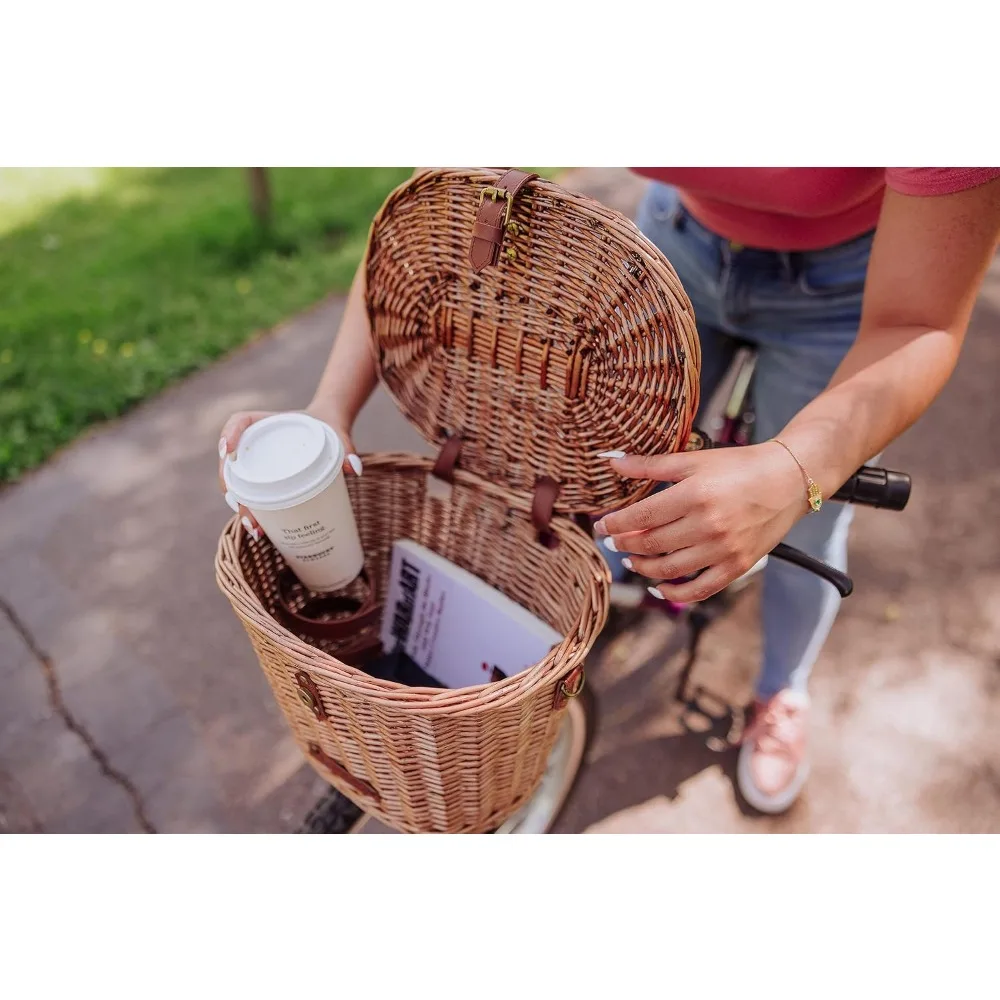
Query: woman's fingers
column 247, row 519
column 671, row 468
column 352, row 463
column 674, row 565
column 654, row 512
column 702, row 587
column 250, row 525
column 680, row 534
column 234, row 428
column 232, row 431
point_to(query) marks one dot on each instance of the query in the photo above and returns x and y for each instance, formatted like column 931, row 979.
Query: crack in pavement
column 61, row 709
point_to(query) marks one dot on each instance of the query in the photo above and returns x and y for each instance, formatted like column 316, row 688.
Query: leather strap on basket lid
column 495, row 204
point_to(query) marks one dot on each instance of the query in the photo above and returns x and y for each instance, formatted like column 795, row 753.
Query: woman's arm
column 349, row 377
column 730, row 506
column 347, row 381
column 927, row 263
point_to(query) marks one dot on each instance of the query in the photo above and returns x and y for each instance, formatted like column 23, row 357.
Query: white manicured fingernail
column 656, row 593
column 233, row 502
column 250, row 529
column 223, row 447
column 627, row 563
column 609, row 544
column 611, row 454
column 355, row 463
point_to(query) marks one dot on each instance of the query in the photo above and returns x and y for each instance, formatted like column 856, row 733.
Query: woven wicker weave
column 579, row 341
column 582, row 343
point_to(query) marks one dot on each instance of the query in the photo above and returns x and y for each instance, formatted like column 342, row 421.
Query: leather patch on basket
column 309, row 695
column 335, row 768
column 542, row 506
column 569, row 687
column 494, row 215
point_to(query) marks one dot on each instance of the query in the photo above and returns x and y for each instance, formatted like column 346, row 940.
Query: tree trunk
column 260, row 196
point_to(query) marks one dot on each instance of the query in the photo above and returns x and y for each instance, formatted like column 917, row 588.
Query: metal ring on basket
column 569, row 687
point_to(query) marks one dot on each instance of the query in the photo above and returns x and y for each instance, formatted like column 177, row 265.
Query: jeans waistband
column 789, row 260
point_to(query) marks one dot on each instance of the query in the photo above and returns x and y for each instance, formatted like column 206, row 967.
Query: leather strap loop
column 444, row 467
column 482, row 231
column 542, row 506
column 336, row 768
column 492, row 217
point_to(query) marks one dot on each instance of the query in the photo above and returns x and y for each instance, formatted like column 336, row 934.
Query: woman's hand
column 726, row 509
column 239, row 422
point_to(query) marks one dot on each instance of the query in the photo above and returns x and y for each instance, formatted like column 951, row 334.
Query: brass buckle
column 494, row 193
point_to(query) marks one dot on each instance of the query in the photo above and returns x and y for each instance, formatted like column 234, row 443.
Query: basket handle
column 496, row 204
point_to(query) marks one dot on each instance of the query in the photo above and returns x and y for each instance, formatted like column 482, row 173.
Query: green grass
column 114, row 283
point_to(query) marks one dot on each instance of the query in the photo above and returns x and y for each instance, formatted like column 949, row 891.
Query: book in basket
column 453, row 625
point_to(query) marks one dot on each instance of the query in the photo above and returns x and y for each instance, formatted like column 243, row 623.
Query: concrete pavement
column 106, row 573
column 130, row 699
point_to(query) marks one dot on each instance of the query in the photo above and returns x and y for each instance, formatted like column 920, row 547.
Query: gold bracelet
column 814, row 496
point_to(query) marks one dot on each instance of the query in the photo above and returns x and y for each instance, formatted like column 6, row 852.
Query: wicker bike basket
column 523, row 329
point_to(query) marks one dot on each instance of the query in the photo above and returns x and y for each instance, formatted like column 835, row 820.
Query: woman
column 856, row 286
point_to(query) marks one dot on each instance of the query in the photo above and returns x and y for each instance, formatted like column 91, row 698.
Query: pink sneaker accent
column 773, row 765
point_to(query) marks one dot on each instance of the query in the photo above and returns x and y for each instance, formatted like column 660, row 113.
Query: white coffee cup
column 288, row 471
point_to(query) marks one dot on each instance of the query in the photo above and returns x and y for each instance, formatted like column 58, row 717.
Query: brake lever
column 843, row 583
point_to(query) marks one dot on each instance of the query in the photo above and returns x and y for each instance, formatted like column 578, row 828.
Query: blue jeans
column 801, row 311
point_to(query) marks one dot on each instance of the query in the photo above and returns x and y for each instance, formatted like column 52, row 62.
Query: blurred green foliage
column 114, row 283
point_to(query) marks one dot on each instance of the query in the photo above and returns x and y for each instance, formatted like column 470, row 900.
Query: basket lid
column 536, row 325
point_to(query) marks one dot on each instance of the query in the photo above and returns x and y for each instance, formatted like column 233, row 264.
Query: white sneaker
column 773, row 763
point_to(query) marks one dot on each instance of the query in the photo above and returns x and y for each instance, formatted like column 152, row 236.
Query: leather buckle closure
column 494, row 193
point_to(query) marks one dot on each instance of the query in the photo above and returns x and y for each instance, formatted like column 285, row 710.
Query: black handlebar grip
column 843, row 583
column 875, row 487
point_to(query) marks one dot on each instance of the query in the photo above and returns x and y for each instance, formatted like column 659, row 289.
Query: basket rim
column 651, row 257
column 569, row 654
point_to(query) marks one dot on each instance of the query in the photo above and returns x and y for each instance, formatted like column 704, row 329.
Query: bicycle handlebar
column 872, row 486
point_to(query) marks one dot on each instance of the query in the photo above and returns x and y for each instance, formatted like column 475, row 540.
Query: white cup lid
column 282, row 461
